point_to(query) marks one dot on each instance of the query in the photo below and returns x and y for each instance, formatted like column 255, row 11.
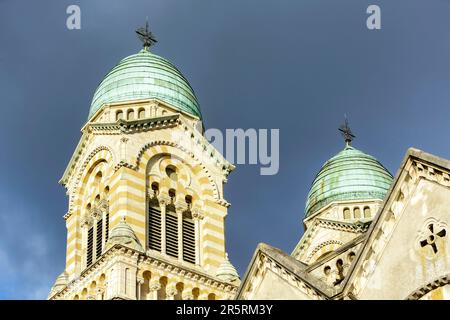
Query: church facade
column 367, row 235
column 147, row 211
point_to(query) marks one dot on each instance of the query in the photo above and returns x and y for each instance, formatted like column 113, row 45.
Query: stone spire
column 124, row 235
column 226, row 271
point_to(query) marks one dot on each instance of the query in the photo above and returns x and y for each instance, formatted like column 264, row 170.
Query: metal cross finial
column 146, row 36
column 346, row 132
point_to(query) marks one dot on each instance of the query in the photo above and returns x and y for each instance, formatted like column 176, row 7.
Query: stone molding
column 142, row 261
column 422, row 291
column 148, row 262
column 263, row 262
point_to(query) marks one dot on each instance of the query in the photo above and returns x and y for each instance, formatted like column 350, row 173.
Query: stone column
column 140, row 282
column 171, row 291
column 154, row 286
column 180, row 207
column 187, row 294
column 86, row 223
column 197, row 216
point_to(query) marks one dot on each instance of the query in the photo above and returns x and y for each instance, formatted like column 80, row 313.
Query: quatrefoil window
column 434, row 235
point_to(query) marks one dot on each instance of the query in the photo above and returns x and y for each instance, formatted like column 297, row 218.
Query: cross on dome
column 146, row 36
column 347, row 133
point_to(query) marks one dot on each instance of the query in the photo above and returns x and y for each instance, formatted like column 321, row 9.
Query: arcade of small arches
column 136, row 112
column 174, row 210
column 356, row 212
column 95, row 218
column 151, row 286
column 336, row 269
column 96, row 290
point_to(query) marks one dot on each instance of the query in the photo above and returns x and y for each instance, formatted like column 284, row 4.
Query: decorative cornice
column 142, row 260
column 356, row 227
column 133, row 126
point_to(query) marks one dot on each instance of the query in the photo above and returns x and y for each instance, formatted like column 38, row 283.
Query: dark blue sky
column 293, row 65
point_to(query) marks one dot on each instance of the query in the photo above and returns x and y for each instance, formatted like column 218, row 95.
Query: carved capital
column 86, row 222
column 171, row 291
column 181, row 206
column 164, row 199
column 187, row 295
column 95, row 212
column 103, row 205
column 197, row 214
column 154, row 285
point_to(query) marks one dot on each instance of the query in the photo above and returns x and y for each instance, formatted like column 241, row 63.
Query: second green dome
column 349, row 175
column 144, row 76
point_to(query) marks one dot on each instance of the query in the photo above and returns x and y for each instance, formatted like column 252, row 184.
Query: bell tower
column 146, row 210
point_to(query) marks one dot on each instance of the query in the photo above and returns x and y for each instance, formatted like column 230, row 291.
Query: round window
column 171, row 172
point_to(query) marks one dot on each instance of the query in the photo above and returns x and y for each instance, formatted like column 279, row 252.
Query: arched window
column 188, row 238
column 94, row 245
column 154, row 226
column 130, row 114
column 180, row 288
column 346, row 213
column 195, row 293
column 340, row 272
column 171, row 231
column 178, row 227
column 162, row 291
column 171, row 172
column 106, row 192
column 155, row 189
column 351, row 256
column 90, row 246
column 356, row 213
column 141, row 113
column 366, row 212
column 211, row 296
column 99, row 239
column 119, row 115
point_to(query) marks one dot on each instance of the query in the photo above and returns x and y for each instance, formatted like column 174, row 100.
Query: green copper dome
column 349, row 175
column 144, row 76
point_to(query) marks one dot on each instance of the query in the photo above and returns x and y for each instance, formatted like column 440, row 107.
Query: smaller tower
column 342, row 201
